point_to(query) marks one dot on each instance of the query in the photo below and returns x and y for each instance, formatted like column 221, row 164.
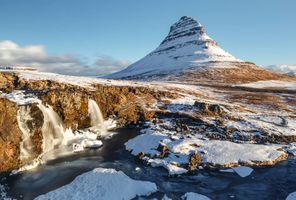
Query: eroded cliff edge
column 230, row 114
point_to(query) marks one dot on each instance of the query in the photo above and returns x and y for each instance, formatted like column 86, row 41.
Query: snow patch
column 243, row 171
column 194, row 196
column 288, row 85
column 291, row 196
column 213, row 152
column 102, row 184
column 19, row 97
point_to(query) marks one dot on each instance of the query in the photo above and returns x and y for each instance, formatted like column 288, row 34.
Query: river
column 274, row 182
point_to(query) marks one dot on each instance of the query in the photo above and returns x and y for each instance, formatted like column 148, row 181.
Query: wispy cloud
column 36, row 56
column 110, row 64
column 288, row 69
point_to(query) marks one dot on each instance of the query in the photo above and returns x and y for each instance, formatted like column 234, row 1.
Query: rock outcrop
column 10, row 135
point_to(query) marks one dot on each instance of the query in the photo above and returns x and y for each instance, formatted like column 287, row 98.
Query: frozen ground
column 215, row 153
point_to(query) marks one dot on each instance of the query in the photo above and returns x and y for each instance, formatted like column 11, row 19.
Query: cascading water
column 23, row 115
column 96, row 117
column 57, row 140
column 53, row 129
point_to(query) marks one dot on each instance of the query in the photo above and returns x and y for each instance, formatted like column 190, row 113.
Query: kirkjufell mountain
column 189, row 54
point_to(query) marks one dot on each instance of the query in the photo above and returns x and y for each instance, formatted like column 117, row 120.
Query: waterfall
column 53, row 129
column 23, row 115
column 96, row 117
column 57, row 140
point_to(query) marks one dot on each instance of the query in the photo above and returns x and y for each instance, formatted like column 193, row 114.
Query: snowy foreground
column 108, row 184
column 102, row 184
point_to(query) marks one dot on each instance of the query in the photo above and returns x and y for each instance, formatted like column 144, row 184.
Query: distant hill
column 285, row 69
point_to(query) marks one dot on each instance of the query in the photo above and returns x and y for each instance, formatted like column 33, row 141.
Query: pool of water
column 268, row 183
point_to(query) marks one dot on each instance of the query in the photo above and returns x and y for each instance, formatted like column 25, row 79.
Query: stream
column 274, row 182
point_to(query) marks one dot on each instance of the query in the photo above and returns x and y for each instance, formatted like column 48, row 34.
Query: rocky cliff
column 225, row 113
column 127, row 104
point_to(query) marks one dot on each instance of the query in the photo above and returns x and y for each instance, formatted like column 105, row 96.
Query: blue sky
column 262, row 31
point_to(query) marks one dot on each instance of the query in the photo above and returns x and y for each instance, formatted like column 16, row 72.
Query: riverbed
column 274, row 182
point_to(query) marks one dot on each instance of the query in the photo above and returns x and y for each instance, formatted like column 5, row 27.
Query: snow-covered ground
column 73, row 80
column 213, row 152
column 288, row 85
column 104, row 184
column 19, row 97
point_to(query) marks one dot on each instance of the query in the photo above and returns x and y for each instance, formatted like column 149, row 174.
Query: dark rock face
column 71, row 106
column 186, row 27
column 7, row 81
column 186, row 32
column 212, row 109
column 164, row 150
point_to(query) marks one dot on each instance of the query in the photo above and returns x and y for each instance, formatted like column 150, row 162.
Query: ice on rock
column 194, row 196
column 243, row 171
column 291, row 196
column 291, row 149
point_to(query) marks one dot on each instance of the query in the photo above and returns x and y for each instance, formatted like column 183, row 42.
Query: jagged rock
column 163, row 149
column 213, row 109
column 7, row 81
column 194, row 161
column 140, row 155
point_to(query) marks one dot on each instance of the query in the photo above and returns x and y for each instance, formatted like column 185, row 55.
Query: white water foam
column 58, row 140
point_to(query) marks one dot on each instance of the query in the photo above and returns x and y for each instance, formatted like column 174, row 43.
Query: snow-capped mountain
column 188, row 54
column 187, row 45
column 286, row 69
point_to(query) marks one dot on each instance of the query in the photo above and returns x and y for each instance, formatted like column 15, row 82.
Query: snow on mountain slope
column 187, row 45
column 286, row 69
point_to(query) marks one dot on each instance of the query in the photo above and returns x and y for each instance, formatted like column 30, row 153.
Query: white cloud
column 110, row 64
column 287, row 69
column 11, row 54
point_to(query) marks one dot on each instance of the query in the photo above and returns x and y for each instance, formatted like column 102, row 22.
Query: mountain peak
column 187, row 45
column 186, row 26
